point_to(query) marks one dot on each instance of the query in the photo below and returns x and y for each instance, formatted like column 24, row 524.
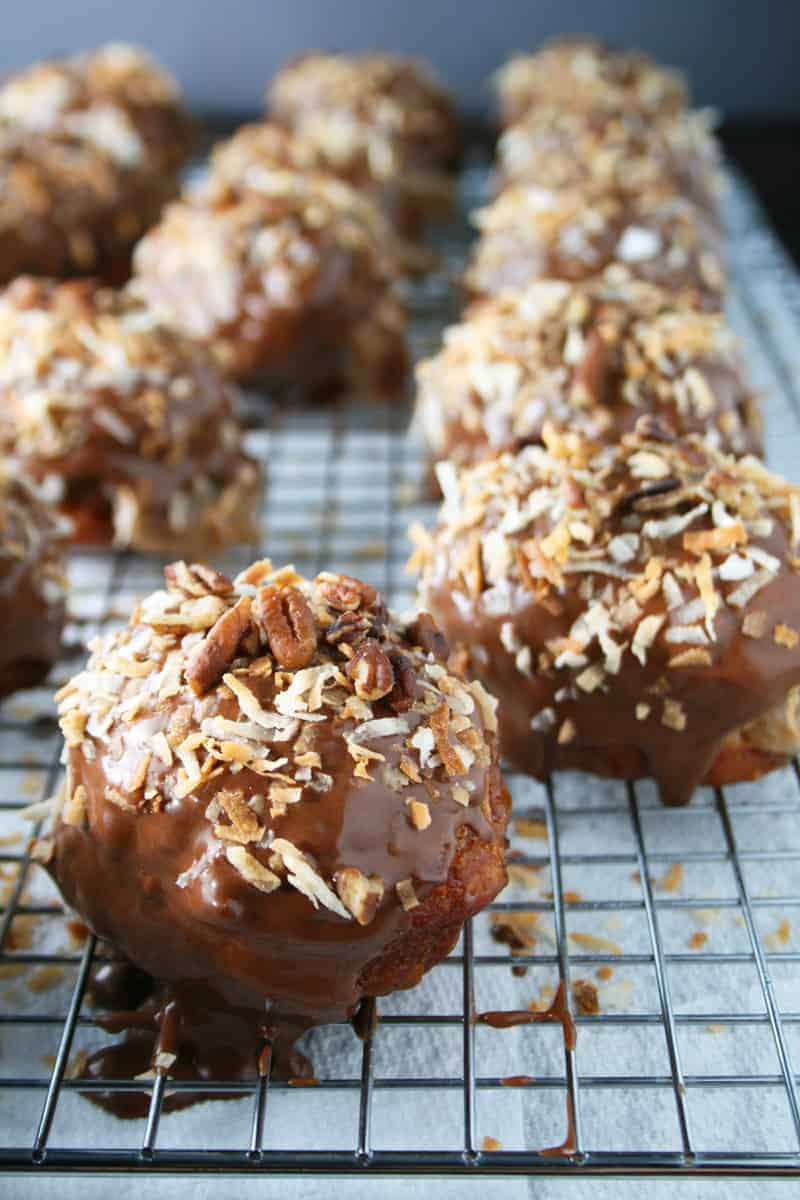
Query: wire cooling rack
column 681, row 921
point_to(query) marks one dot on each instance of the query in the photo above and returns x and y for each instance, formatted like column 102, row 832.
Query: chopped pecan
column 344, row 593
column 424, row 633
column 404, row 692
column 287, row 624
column 349, row 628
column 371, row 671
column 209, row 661
column 196, row 579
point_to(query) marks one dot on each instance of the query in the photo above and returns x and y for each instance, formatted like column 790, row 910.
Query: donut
column 129, row 425
column 32, row 584
column 590, row 357
column 635, row 606
column 288, row 285
column 278, row 801
column 382, row 122
column 246, row 161
column 90, row 147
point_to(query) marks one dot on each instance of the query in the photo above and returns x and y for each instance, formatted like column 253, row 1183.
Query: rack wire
column 681, row 920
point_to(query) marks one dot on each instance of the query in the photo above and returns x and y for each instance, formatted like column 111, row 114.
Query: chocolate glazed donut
column 636, row 608
column 278, row 802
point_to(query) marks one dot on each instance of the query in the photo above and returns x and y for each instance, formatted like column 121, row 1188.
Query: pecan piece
column 371, row 671
column 404, row 692
column 288, row 626
column 349, row 628
column 196, row 579
column 209, row 660
column 344, row 593
column 425, row 634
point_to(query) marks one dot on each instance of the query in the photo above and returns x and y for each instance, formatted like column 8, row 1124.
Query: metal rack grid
column 344, row 484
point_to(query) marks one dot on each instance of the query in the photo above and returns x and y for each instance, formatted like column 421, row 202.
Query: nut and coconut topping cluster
column 625, row 153
column 90, row 148
column 665, row 547
column 117, row 101
column 255, row 697
column 592, row 357
column 387, row 112
column 583, row 73
column 529, row 232
column 222, row 264
column 93, row 387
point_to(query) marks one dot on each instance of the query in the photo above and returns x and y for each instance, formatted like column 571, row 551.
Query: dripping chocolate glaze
column 557, row 1012
column 747, row 678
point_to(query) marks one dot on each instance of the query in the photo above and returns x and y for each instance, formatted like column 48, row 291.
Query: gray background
column 741, row 55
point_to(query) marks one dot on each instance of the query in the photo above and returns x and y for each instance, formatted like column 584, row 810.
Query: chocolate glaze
column 241, row 965
column 745, row 678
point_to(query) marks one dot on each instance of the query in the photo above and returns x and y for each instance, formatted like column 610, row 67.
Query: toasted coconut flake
column 380, row 727
column 439, row 724
column 705, row 583
column 588, row 941
column 744, row 593
column 251, row 869
column 646, row 632
column 754, row 624
column 693, row 657
column 699, row 540
column 301, row 875
column 487, row 705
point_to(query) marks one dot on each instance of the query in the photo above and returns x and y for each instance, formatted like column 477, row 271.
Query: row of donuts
column 612, row 559
column 280, row 269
